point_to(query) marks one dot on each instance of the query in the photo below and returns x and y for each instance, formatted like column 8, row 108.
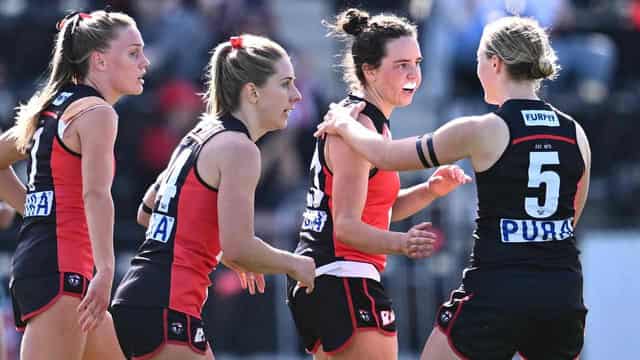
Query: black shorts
column 143, row 331
column 479, row 331
column 33, row 295
column 338, row 307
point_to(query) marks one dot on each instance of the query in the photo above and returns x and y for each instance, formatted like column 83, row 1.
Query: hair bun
column 542, row 69
column 354, row 21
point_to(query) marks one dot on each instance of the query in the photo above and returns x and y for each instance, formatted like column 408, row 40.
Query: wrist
column 428, row 194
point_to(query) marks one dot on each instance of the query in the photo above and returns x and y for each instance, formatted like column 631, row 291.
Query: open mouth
column 409, row 87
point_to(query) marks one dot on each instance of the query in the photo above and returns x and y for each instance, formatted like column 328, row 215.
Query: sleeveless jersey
column 317, row 236
column 182, row 246
column 54, row 236
column 526, row 207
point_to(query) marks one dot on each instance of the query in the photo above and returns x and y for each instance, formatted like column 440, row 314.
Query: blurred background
column 597, row 42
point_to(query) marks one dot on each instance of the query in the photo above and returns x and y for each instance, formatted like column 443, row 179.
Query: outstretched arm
column 452, row 142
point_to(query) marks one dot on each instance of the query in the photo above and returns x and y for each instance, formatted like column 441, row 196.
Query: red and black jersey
column 54, row 236
column 182, row 246
column 525, row 251
column 526, row 199
column 317, row 236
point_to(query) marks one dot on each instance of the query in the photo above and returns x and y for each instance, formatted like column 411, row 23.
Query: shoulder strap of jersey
column 372, row 111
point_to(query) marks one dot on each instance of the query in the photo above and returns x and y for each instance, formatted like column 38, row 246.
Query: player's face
column 399, row 75
column 486, row 75
column 126, row 62
column 278, row 96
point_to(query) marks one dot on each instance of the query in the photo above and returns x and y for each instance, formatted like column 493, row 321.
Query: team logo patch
column 445, row 317
column 74, row 280
column 364, row 315
column 177, row 328
column 540, row 118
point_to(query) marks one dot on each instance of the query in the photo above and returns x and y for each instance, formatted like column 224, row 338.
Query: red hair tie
column 81, row 15
column 236, row 42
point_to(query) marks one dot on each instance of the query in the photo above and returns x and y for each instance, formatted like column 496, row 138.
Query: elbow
column 143, row 218
column 342, row 228
column 91, row 196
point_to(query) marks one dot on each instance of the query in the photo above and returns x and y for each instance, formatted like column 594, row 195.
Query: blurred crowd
column 596, row 42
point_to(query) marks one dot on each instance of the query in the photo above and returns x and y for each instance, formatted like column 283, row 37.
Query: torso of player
column 183, row 235
column 54, row 236
column 317, row 235
column 526, row 198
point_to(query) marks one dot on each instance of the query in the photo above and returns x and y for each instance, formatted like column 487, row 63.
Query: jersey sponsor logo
column 445, row 317
column 61, row 98
column 524, row 231
column 388, row 317
column 540, row 118
column 38, row 203
column 160, row 227
column 199, row 335
column 314, row 220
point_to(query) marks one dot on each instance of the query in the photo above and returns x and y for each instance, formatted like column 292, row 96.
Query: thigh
column 438, row 347
column 54, row 334
column 178, row 352
column 102, row 342
column 552, row 335
column 364, row 345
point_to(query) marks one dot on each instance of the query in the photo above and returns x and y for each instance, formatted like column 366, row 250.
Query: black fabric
column 482, row 331
column 32, row 295
column 327, row 315
column 142, row 331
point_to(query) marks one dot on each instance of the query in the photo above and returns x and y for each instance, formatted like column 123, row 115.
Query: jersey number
column 537, row 177
column 34, row 159
column 168, row 189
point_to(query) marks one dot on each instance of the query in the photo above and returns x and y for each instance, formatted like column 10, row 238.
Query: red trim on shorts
column 543, row 136
column 46, row 307
column 521, row 356
column 315, row 347
column 447, row 332
column 350, row 303
column 373, row 302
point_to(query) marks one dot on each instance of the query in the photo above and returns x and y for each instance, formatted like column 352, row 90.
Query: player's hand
column 304, row 270
column 94, row 306
column 418, row 242
column 446, row 178
column 248, row 280
column 339, row 116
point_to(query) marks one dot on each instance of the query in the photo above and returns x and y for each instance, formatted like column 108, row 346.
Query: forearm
column 100, row 217
column 12, row 191
column 411, row 200
column 255, row 255
column 367, row 238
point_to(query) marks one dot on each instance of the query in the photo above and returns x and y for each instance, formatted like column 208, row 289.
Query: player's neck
column 101, row 86
column 374, row 97
column 251, row 121
column 518, row 90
